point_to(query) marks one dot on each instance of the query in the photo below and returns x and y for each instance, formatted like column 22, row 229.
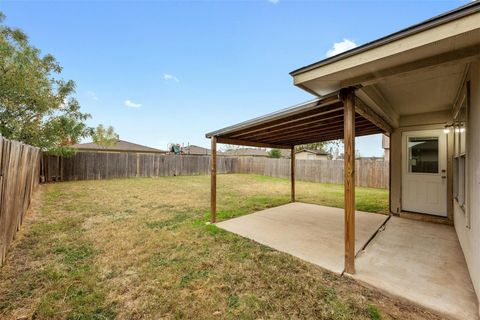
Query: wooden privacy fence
column 368, row 173
column 94, row 165
column 19, row 176
column 105, row 165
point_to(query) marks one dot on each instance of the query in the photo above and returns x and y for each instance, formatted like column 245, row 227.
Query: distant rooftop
column 120, row 146
column 252, row 152
column 196, row 150
column 319, row 152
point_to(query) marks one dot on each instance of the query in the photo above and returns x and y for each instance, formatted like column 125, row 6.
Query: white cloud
column 339, row 47
column 131, row 104
column 92, row 95
column 273, row 1
column 169, row 77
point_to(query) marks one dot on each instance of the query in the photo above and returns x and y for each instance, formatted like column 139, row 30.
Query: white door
column 424, row 172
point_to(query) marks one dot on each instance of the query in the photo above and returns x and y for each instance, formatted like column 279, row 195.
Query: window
column 459, row 183
column 423, row 154
column 460, row 135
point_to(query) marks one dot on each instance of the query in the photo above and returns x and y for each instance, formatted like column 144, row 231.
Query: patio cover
column 339, row 115
column 321, row 119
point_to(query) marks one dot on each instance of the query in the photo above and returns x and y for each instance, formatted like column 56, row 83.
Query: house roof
column 380, row 72
column 196, row 150
column 419, row 27
column 317, row 152
column 253, row 152
column 428, row 61
column 120, row 146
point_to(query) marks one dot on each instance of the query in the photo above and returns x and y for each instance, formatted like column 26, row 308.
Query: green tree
column 313, row 146
column 36, row 106
column 274, row 153
column 105, row 137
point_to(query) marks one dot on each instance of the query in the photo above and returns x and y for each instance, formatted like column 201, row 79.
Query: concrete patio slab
column 421, row 262
column 310, row 232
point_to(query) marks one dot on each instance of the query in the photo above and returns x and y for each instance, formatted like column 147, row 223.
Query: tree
column 36, row 106
column 105, row 137
column 274, row 153
column 326, row 146
column 312, row 146
column 228, row 147
column 357, row 154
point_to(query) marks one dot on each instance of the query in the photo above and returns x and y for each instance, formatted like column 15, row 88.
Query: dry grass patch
column 140, row 249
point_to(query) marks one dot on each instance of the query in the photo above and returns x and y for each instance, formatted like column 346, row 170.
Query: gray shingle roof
column 120, row 146
column 319, row 152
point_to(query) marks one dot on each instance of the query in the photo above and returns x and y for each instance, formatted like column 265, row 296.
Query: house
column 196, row 150
column 306, row 154
column 119, row 146
column 421, row 87
column 246, row 152
column 253, row 152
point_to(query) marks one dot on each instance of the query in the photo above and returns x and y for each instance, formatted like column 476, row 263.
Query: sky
column 167, row 72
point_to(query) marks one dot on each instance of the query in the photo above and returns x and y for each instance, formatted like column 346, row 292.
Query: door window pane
column 423, row 154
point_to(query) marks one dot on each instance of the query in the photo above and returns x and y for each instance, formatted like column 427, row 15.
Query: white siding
column 470, row 237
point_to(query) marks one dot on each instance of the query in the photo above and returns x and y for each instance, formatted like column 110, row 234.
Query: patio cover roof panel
column 314, row 121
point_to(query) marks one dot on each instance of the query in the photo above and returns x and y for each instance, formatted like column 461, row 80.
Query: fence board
column 19, row 177
column 369, row 173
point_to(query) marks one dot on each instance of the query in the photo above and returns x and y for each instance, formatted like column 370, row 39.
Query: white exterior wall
column 470, row 237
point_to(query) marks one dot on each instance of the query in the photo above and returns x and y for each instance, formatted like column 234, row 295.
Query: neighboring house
column 252, row 152
column 386, row 147
column 420, row 86
column 306, row 154
column 246, row 152
column 119, row 146
column 196, row 150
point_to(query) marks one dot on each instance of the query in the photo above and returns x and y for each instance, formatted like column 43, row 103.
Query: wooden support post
column 292, row 172
column 213, row 181
column 348, row 98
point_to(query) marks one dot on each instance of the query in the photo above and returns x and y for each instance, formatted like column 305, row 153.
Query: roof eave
column 427, row 24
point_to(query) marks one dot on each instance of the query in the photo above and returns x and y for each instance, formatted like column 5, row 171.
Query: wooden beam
column 374, row 97
column 252, row 143
column 348, row 98
column 291, row 127
column 365, row 111
column 306, row 128
column 292, row 172
column 335, row 136
column 213, row 182
column 320, row 110
column 324, row 131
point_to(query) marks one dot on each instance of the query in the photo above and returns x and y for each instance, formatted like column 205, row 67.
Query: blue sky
column 170, row 71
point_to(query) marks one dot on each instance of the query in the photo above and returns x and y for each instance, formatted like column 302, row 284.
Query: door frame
column 443, row 163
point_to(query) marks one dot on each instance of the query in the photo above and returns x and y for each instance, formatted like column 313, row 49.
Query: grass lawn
column 140, row 249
